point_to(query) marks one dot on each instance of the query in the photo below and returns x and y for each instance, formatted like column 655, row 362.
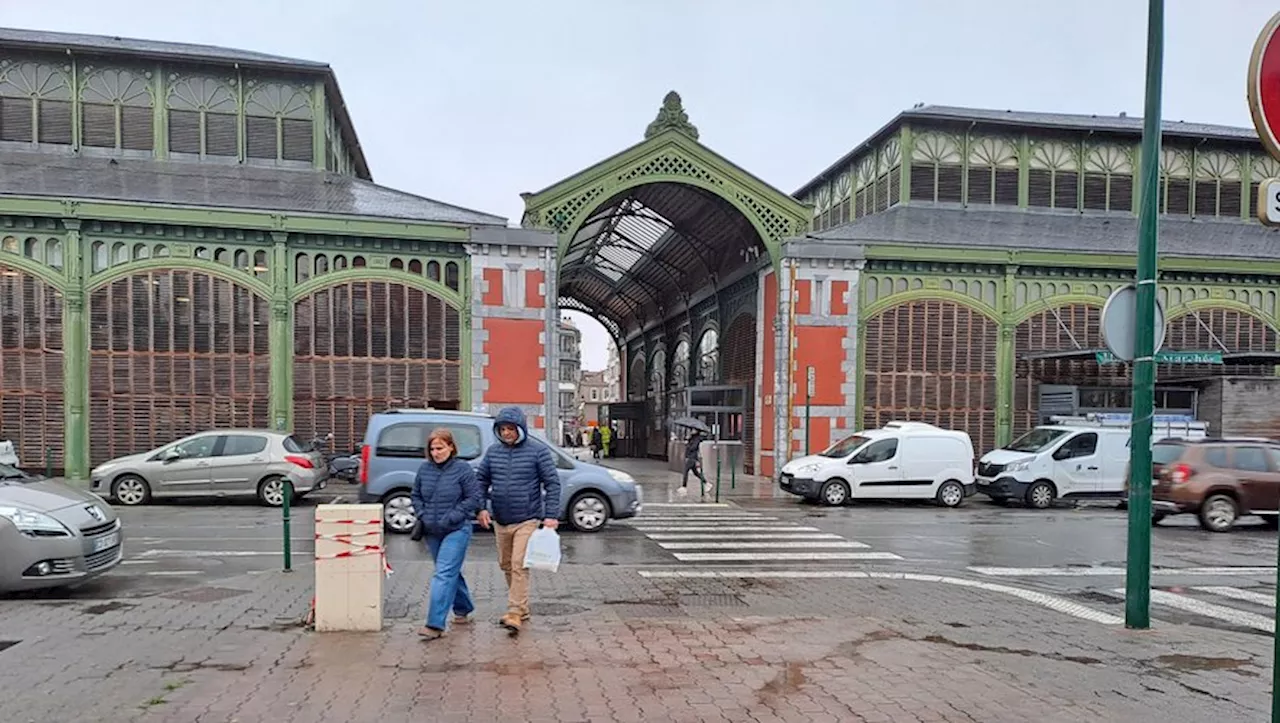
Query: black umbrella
column 692, row 423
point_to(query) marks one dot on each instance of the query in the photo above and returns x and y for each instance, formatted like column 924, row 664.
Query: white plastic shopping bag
column 543, row 552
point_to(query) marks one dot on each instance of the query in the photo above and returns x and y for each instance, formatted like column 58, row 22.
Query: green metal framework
column 78, row 248
column 1011, row 287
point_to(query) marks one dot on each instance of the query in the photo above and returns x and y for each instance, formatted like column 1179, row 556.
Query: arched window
column 680, row 365
column 709, row 357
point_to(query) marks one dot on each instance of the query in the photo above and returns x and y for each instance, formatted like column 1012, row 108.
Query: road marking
column 1110, row 571
column 1049, row 601
column 781, row 556
column 711, row 528
column 646, row 519
column 1238, row 594
column 1220, row 612
column 138, row 562
column 173, row 573
column 213, row 553
column 780, row 535
column 770, row 544
column 677, row 505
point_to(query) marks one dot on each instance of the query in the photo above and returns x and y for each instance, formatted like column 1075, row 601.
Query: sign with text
column 1168, row 357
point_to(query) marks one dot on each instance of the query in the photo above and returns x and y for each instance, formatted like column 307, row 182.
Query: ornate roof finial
column 671, row 117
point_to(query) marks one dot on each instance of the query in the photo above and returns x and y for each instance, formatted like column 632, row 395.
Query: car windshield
column 1036, row 440
column 8, row 472
column 845, row 447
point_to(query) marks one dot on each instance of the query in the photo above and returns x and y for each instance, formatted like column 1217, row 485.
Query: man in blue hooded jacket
column 520, row 481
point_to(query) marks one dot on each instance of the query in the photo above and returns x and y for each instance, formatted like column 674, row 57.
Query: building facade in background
column 190, row 238
column 595, row 391
column 569, row 373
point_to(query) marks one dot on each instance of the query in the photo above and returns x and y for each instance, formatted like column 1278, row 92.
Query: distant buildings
column 570, row 356
column 594, row 391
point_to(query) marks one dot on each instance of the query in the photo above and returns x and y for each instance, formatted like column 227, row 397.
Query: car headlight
column 34, row 523
column 1020, row 465
column 808, row 468
column 620, row 476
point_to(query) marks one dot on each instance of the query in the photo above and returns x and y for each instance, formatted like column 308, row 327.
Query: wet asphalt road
column 1075, row 552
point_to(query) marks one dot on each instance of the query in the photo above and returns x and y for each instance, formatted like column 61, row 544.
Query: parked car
column 395, row 446
column 1057, row 461
column 218, row 463
column 53, row 535
column 1218, row 480
column 903, row 460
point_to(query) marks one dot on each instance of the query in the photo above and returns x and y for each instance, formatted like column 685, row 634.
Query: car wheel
column 397, row 513
column 131, row 490
column 1218, row 513
column 950, row 494
column 834, row 493
column 271, row 491
column 588, row 512
column 1040, row 495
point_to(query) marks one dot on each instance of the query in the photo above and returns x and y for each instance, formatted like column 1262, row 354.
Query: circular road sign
column 1119, row 323
column 1264, row 86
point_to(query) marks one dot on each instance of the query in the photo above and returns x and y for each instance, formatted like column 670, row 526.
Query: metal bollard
column 287, row 490
column 719, row 451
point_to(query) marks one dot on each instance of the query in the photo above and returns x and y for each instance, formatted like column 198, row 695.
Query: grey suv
column 217, row 463
column 394, row 448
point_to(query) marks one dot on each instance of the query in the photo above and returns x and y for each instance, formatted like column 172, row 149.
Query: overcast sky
column 475, row 101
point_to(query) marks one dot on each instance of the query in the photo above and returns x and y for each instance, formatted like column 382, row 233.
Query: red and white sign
column 1264, row 86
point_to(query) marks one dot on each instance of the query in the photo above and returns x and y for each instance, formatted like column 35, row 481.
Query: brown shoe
column 511, row 621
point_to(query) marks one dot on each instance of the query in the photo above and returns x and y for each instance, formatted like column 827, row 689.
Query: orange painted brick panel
column 493, row 294
column 770, row 292
column 820, row 428
column 513, row 350
column 533, row 299
column 820, row 347
column 804, row 296
column 839, row 307
column 766, row 466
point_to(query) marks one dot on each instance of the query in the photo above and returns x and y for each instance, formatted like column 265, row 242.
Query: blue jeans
column 448, row 588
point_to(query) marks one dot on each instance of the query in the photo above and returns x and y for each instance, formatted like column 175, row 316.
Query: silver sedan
column 53, row 535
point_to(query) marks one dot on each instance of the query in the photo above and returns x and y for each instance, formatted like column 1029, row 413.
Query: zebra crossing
column 698, row 534
column 1196, row 603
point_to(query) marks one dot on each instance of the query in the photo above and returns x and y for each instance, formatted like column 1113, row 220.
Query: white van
column 1057, row 460
column 904, row 460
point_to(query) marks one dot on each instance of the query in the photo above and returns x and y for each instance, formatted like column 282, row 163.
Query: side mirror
column 170, row 454
column 1062, row 453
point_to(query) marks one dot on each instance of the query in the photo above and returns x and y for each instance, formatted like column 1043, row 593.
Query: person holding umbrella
column 692, row 454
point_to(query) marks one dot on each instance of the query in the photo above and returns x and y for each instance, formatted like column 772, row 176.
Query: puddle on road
column 106, row 607
column 1178, row 661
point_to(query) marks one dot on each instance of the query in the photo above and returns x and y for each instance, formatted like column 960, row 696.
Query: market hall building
column 190, row 238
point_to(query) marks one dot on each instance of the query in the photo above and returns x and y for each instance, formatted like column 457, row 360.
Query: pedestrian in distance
column 692, row 462
column 520, row 483
column 606, row 438
column 597, row 442
column 446, row 498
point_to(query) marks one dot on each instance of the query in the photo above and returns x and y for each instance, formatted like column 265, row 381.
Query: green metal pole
column 733, row 476
column 1137, row 612
column 287, row 486
column 807, row 425
column 718, row 449
column 1275, row 654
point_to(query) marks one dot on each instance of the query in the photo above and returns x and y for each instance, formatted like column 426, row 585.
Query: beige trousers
column 512, row 543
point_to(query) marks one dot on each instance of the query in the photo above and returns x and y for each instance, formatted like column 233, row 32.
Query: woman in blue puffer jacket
column 446, row 497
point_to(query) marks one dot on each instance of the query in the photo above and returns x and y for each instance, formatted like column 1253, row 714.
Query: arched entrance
column 664, row 243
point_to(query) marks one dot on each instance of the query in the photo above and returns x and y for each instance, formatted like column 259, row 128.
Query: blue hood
column 512, row 415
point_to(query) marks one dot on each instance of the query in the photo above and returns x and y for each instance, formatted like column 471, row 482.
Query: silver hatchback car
column 217, row 463
column 53, row 535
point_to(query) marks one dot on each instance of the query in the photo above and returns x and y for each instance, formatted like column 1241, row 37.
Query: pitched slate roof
column 112, row 45
column 956, row 227
column 178, row 183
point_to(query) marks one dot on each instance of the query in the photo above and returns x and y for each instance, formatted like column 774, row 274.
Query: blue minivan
column 394, row 448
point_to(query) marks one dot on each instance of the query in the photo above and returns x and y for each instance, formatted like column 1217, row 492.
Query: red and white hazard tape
column 349, row 522
column 360, row 549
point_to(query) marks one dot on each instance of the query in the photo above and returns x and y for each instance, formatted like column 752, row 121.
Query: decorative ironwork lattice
column 1063, row 329
column 31, row 399
column 932, row 361
column 365, row 346
column 740, row 370
column 173, row 353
